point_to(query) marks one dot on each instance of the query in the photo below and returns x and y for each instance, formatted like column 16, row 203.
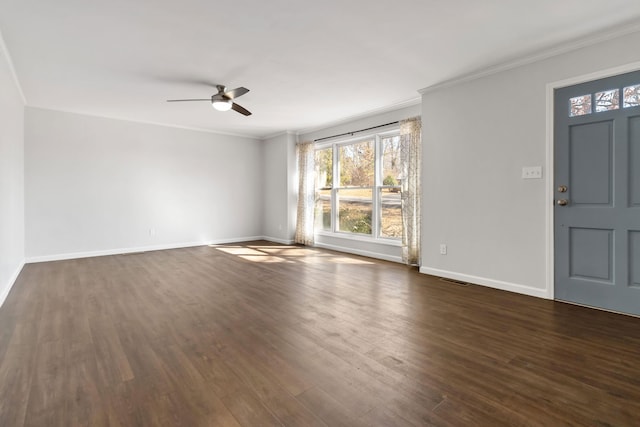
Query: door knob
column 562, row 189
column 562, row 202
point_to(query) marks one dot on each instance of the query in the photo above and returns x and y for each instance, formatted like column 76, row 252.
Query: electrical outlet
column 443, row 249
column 532, row 172
column 152, row 232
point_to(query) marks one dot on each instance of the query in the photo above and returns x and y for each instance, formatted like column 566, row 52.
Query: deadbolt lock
column 562, row 202
column 562, row 189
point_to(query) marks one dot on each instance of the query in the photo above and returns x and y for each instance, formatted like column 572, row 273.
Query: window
column 605, row 101
column 324, row 184
column 358, row 187
column 390, row 213
column 580, row 105
column 631, row 96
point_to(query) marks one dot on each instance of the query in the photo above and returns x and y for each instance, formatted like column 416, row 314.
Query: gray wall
column 477, row 136
column 279, row 188
column 11, row 177
column 97, row 186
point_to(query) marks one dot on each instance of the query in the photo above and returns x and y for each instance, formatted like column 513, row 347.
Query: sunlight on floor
column 286, row 254
column 287, row 250
column 240, row 250
column 264, row 258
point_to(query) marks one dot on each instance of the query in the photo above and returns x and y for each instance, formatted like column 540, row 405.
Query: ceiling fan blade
column 181, row 100
column 240, row 109
column 235, row 93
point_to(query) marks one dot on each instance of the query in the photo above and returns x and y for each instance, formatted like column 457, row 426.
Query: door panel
column 591, row 253
column 634, row 160
column 634, row 258
column 591, row 157
column 597, row 180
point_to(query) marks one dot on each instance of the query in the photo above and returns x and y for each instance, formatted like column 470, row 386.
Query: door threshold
column 598, row 308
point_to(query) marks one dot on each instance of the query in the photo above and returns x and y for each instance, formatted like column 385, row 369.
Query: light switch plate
column 532, row 172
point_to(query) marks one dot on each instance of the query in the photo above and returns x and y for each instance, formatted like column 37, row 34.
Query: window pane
column 356, row 164
column 391, row 216
column 391, row 169
column 354, row 210
column 631, row 96
column 607, row 100
column 324, row 168
column 580, row 105
column 323, row 210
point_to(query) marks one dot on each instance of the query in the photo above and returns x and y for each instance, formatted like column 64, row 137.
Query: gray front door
column 597, row 193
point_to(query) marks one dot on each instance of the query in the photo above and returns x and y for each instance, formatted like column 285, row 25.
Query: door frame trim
column 549, row 192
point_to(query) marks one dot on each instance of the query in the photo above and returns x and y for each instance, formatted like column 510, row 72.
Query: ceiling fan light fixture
column 222, row 104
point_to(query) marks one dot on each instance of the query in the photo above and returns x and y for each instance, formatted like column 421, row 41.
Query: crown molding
column 540, row 55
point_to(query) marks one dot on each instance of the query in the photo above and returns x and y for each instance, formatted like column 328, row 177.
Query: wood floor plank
column 269, row 391
column 248, row 410
column 16, row 371
column 331, row 411
column 382, row 416
column 265, row 334
column 268, row 357
column 48, row 385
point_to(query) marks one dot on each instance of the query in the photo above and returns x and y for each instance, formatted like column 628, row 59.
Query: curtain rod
column 356, row 131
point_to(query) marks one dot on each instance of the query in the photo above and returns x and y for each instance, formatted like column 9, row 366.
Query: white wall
column 98, row 186
column 11, row 177
column 477, row 136
column 361, row 247
column 279, row 189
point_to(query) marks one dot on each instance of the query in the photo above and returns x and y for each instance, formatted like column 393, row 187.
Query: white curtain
column 306, row 193
column 411, row 144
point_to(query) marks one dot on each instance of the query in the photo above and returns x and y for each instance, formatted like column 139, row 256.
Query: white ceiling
column 307, row 64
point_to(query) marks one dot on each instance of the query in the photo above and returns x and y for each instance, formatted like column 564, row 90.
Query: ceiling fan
column 223, row 100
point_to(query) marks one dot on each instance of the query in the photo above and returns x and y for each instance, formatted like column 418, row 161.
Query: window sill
column 361, row 238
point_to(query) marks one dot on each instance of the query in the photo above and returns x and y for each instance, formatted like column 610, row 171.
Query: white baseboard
column 497, row 284
column 120, row 251
column 12, row 280
column 359, row 252
column 277, row 240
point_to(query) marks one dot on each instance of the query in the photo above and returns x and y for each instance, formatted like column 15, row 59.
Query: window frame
column 376, row 199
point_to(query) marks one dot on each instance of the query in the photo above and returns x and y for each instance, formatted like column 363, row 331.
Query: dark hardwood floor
column 261, row 334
